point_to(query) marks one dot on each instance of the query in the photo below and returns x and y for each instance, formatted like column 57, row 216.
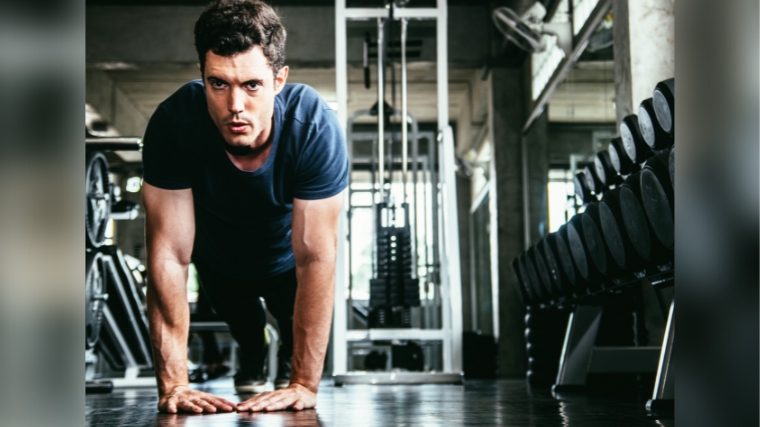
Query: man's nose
column 236, row 102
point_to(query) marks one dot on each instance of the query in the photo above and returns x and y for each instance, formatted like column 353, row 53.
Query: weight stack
column 394, row 290
column 544, row 335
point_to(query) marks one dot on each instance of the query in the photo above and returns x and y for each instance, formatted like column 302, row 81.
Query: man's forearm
column 169, row 317
column 311, row 320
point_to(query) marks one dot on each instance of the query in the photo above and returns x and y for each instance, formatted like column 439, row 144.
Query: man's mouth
column 237, row 127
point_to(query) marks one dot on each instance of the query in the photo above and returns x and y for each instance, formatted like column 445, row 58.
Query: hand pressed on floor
column 184, row 399
column 295, row 396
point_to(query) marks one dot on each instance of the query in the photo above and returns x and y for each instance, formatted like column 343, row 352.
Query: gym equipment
column 657, row 193
column 517, row 280
column 637, row 225
column 550, row 249
column 97, row 199
column 655, row 136
column 94, row 297
column 565, row 256
column 593, row 182
column 605, row 170
column 576, row 240
column 597, row 250
column 664, row 102
column 615, row 235
column 633, row 142
column 544, row 330
column 532, row 275
column 394, row 289
column 582, row 188
column 431, row 206
column 542, row 271
column 118, row 143
column 619, row 158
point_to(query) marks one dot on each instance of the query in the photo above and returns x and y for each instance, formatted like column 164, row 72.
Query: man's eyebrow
column 215, row 79
column 259, row 81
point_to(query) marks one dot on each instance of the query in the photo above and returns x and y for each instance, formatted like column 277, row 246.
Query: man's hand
column 296, row 397
column 183, row 399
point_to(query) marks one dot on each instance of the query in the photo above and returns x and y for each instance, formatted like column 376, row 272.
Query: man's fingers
column 279, row 405
column 298, row 406
column 171, row 407
column 188, row 406
column 246, row 406
column 208, row 407
column 220, row 403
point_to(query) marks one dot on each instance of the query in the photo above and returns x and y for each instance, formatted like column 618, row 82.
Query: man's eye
column 217, row 84
column 253, row 86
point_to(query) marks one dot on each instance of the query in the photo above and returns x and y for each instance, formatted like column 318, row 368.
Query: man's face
column 240, row 91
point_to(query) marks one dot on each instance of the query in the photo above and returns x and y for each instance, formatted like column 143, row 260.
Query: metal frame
column 445, row 225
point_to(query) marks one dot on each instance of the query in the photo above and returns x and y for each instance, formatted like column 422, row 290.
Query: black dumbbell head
column 663, row 99
column 657, row 192
column 613, row 230
column 619, row 159
column 633, row 143
column 654, row 135
column 565, row 258
column 535, row 284
column 519, row 288
column 605, row 171
column 543, row 272
column 592, row 180
column 575, row 241
column 581, row 187
column 547, row 247
column 595, row 244
column 634, row 217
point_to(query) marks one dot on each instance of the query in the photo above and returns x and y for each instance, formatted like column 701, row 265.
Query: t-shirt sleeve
column 322, row 169
column 162, row 166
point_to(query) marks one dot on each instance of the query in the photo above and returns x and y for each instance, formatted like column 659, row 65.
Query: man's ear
column 281, row 79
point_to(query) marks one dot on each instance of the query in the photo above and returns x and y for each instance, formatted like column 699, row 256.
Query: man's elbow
column 315, row 257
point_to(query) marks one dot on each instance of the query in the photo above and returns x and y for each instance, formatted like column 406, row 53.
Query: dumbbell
column 605, row 170
column 633, row 142
column 657, row 193
column 582, row 188
column 619, row 159
column 576, row 241
column 543, row 272
column 548, row 247
column 596, row 247
column 519, row 284
column 654, row 135
column 617, row 241
column 565, row 258
column 532, row 275
column 637, row 224
column 664, row 102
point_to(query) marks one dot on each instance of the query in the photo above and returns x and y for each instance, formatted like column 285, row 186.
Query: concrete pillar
column 507, row 117
column 644, row 42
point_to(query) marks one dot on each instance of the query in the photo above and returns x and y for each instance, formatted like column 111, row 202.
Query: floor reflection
column 492, row 403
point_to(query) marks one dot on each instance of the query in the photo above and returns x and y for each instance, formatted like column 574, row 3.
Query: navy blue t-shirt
column 243, row 219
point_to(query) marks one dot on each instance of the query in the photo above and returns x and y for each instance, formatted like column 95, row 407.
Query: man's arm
column 315, row 239
column 169, row 235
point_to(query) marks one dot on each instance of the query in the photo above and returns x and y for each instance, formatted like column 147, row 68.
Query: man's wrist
column 169, row 388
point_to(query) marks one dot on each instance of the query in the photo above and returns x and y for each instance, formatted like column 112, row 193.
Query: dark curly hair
column 229, row 27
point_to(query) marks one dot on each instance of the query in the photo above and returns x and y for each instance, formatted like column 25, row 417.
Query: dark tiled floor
column 482, row 403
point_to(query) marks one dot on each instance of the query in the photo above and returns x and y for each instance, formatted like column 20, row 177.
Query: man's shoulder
column 302, row 102
column 186, row 103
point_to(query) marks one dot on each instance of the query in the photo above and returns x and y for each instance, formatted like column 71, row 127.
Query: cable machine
column 415, row 289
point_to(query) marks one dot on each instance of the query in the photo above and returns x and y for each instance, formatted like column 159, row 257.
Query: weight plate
column 97, row 199
column 541, row 269
column 575, row 242
column 663, row 99
column 612, row 233
column 95, row 295
column 593, row 238
column 565, row 256
column 658, row 207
